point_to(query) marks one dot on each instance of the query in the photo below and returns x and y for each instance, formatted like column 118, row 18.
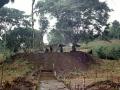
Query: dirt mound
column 60, row 62
column 104, row 85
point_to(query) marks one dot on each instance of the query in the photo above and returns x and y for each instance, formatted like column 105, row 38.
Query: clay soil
column 60, row 62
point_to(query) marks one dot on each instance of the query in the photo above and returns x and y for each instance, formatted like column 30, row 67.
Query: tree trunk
column 74, row 48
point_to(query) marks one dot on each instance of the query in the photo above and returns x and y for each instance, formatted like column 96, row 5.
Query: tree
column 10, row 20
column 3, row 2
column 115, row 30
column 105, row 35
column 74, row 16
column 17, row 37
column 38, row 39
column 55, row 37
column 43, row 26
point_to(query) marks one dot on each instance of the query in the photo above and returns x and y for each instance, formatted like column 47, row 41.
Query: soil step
column 47, row 76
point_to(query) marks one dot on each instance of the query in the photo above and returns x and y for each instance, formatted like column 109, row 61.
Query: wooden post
column 70, row 85
column 75, row 87
column 96, row 75
column 84, row 82
column 55, row 74
column 107, row 75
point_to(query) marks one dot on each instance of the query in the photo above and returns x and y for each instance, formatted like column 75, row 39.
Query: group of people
column 50, row 48
column 60, row 46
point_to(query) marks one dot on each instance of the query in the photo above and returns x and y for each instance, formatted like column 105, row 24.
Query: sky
column 25, row 5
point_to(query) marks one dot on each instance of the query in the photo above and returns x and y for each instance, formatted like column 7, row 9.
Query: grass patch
column 96, row 43
column 16, row 69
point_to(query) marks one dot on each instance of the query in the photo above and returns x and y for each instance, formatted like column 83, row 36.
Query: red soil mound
column 62, row 62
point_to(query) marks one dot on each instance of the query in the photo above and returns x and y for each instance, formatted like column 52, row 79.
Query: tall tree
column 74, row 16
column 43, row 25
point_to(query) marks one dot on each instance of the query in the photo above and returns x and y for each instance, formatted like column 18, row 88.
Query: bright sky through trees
column 25, row 5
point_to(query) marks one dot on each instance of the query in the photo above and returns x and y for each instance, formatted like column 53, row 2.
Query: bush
column 107, row 52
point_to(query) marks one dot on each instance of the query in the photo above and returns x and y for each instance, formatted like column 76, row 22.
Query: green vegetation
column 18, row 68
column 108, row 52
column 19, row 36
column 3, row 2
column 104, row 49
column 74, row 18
column 55, row 37
column 113, row 32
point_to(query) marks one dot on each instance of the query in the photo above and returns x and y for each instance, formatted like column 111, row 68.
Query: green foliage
column 14, row 29
column 75, row 15
column 114, row 31
column 43, row 23
column 111, row 31
column 55, row 37
column 107, row 52
column 10, row 18
column 3, row 2
column 22, row 38
column 86, row 36
column 17, row 37
column 38, row 40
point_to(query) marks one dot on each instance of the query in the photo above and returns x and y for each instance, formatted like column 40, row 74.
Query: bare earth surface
column 49, row 82
column 52, row 85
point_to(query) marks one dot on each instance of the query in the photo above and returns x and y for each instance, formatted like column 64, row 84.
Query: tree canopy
column 55, row 37
column 17, row 37
column 15, row 28
column 75, row 15
column 3, row 2
column 10, row 18
column 114, row 30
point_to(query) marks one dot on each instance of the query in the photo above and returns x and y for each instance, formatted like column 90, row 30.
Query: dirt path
column 49, row 82
column 52, row 85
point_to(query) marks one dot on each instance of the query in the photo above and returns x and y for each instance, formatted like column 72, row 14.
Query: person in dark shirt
column 74, row 47
column 61, row 47
column 51, row 48
column 46, row 50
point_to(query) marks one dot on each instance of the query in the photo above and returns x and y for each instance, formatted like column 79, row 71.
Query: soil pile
column 60, row 62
